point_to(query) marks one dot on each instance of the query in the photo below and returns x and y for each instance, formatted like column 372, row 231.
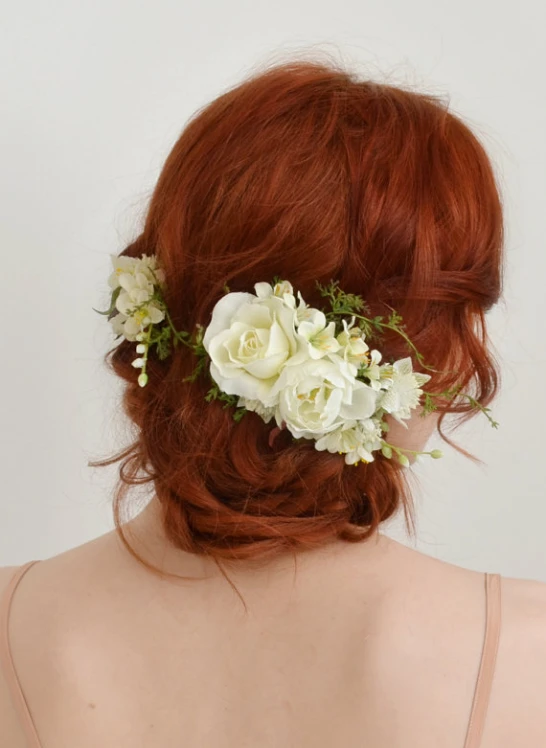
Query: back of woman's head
column 307, row 173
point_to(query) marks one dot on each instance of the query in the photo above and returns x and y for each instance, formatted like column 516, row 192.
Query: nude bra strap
column 486, row 672
column 6, row 661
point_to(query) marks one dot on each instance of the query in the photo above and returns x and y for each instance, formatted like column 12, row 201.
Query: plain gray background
column 94, row 95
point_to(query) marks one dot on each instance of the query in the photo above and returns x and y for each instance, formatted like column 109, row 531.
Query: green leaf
column 115, row 293
column 429, row 405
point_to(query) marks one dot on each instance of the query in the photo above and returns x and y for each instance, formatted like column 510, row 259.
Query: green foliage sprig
column 429, row 406
column 343, row 304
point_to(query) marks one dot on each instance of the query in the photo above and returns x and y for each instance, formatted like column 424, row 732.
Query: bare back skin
column 368, row 644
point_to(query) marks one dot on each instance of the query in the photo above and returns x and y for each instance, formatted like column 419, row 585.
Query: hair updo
column 307, row 173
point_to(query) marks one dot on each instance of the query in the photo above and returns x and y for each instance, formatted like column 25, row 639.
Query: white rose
column 318, row 395
column 248, row 341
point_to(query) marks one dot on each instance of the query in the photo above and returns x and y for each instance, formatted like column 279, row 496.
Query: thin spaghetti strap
column 7, row 664
column 488, row 661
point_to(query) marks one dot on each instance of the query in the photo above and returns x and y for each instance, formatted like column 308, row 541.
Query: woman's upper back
column 357, row 649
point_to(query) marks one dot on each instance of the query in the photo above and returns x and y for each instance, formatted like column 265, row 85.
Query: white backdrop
column 94, row 96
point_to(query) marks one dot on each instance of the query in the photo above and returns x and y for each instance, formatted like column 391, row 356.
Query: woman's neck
column 147, row 536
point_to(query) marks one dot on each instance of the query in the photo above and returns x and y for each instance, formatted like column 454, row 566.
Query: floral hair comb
column 312, row 371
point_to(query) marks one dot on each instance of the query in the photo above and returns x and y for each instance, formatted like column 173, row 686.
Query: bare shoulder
column 10, row 731
column 50, row 597
column 517, row 697
column 524, row 614
column 6, row 573
column 527, row 592
column 516, row 714
column 523, row 605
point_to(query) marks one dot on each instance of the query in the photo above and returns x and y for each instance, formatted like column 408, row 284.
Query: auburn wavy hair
column 306, row 172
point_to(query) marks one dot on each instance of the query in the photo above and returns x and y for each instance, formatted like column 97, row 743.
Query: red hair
column 303, row 171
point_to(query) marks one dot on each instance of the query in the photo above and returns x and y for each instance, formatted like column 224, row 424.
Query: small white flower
column 318, row 336
column 146, row 265
column 344, row 440
column 356, row 439
column 371, row 433
column 404, row 392
column 303, row 311
column 130, row 326
column 283, row 290
column 283, row 287
column 354, row 347
column 137, row 277
column 378, row 375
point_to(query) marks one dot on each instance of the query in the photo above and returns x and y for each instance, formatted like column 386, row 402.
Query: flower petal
column 403, row 366
column 223, row 313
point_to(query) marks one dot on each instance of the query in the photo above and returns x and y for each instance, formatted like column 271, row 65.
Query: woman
column 294, row 621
